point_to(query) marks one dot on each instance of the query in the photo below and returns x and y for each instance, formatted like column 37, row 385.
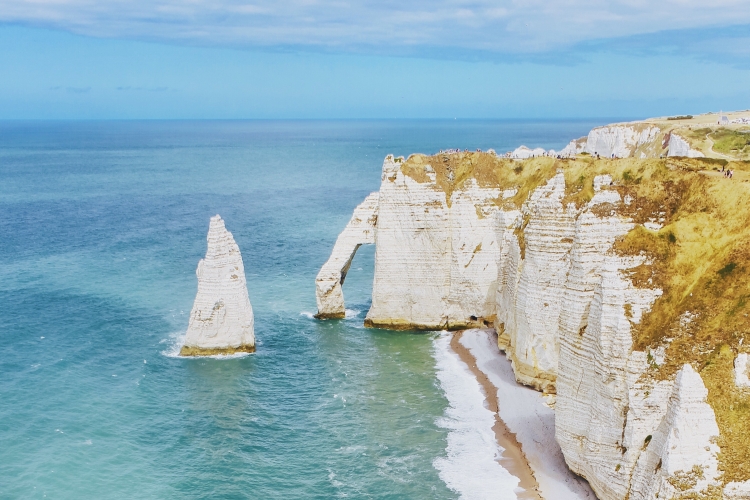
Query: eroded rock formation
column 436, row 252
column 609, row 282
column 359, row 231
column 632, row 140
column 221, row 321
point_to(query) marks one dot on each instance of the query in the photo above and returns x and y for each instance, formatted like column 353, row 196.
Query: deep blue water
column 101, row 227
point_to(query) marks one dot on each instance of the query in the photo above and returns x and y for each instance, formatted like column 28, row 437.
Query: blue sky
column 366, row 59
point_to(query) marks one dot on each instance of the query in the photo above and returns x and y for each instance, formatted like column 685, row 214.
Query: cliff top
column 691, row 225
column 723, row 135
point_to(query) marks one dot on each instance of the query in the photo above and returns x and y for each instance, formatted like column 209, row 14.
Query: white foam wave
column 351, row 313
column 307, row 314
column 470, row 467
column 177, row 339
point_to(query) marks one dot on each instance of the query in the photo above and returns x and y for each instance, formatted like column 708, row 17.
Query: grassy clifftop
column 700, row 258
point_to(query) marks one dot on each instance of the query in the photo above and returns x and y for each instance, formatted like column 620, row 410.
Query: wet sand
column 513, row 460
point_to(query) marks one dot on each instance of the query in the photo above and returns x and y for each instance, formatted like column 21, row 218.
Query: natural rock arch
column 359, row 231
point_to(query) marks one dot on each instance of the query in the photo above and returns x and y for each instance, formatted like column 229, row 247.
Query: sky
column 343, row 59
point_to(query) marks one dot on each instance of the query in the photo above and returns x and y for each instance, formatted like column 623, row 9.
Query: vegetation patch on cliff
column 700, row 258
column 453, row 170
column 731, row 141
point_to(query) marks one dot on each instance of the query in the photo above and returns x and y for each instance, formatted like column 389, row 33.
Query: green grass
column 730, row 141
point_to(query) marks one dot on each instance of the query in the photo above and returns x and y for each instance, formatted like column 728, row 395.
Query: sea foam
column 470, row 467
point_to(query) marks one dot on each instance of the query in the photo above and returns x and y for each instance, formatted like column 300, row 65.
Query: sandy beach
column 525, row 425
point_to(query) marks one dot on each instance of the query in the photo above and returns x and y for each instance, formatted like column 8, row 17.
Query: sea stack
column 221, row 321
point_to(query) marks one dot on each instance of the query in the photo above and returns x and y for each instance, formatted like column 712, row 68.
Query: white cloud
column 506, row 27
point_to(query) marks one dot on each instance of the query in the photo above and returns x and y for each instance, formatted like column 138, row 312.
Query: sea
column 102, row 225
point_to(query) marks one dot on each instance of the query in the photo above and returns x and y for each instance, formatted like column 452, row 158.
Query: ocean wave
column 470, row 466
column 307, row 314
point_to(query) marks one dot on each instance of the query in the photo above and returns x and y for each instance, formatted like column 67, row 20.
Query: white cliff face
column 619, row 141
column 474, row 255
column 681, row 456
column 221, row 320
column 564, row 317
column 564, row 306
column 533, row 277
column 678, row 146
column 436, row 258
column 596, row 373
column 603, row 411
column 359, row 231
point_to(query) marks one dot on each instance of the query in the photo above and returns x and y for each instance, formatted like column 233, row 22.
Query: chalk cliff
column 359, row 231
column 618, row 285
column 436, row 252
column 632, row 140
column 221, row 321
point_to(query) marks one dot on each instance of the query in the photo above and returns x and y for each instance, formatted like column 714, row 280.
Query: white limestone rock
column 529, row 300
column 603, row 411
column 221, row 321
column 622, row 141
column 435, row 258
column 574, row 147
column 737, row 490
column 741, row 371
column 681, row 457
column 359, row 231
column 678, row 146
column 627, row 140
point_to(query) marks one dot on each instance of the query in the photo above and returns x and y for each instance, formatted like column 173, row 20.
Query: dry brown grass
column 453, row 170
column 700, row 258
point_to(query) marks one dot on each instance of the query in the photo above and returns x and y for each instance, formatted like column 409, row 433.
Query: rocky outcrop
column 679, row 146
column 359, row 231
column 436, row 253
column 632, row 140
column 459, row 244
column 528, row 302
column 619, row 141
column 221, row 321
column 681, row 456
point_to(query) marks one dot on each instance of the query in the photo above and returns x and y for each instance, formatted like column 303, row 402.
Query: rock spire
column 221, row 321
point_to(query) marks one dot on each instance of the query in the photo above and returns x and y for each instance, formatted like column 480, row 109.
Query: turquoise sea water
column 102, row 225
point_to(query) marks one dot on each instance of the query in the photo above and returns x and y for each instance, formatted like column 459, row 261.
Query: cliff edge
column 619, row 287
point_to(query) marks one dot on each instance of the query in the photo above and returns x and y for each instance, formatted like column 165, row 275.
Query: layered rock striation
column 632, row 140
column 616, row 284
column 436, row 252
column 221, row 321
column 359, row 231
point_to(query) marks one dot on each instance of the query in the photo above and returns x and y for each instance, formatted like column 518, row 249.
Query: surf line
column 512, row 459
